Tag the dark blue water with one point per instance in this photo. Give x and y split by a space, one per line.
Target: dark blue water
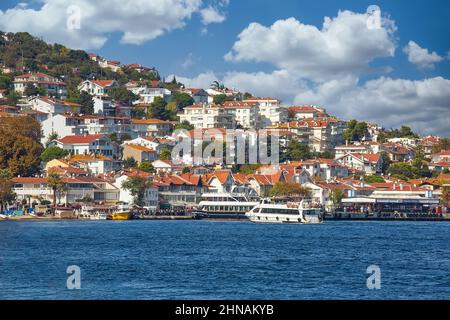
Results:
224 260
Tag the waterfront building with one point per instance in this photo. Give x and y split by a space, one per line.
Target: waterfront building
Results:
35 189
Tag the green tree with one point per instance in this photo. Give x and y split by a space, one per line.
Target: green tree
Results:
247 95
7 194
147 166
356 131
12 98
297 151
157 109
123 95
184 125
136 185
86 102
221 98
51 153
249 168
373 178
55 183
129 162
336 196
31 90
186 170
289 189
386 161
403 170
182 100
165 154
52 136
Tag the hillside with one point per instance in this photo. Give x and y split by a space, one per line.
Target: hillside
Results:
24 53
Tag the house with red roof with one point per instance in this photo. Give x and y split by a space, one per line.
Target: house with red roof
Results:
98 87
221 181
52 85
180 190
441 156
53 106
370 163
88 144
303 112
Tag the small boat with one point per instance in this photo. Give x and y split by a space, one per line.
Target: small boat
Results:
289 212
122 212
98 216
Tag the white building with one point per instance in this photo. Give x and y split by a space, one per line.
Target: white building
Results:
270 110
207 116
52 85
370 163
151 194
245 114
53 106
77 188
88 144
98 87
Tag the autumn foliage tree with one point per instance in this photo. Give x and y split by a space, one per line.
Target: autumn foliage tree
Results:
20 146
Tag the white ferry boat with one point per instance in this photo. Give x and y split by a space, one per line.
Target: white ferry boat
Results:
231 205
269 211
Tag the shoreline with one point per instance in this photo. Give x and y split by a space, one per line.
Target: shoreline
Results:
191 218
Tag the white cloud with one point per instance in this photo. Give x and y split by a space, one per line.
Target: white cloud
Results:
344 45
422 104
203 80
211 15
421 57
138 20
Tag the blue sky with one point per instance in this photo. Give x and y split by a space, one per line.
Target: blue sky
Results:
194 50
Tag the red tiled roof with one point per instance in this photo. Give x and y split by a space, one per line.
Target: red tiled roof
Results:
103 83
80 139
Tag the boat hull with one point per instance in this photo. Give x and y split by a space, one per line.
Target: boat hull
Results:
282 218
121 216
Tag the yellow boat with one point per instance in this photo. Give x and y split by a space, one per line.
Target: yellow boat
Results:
121 216
122 212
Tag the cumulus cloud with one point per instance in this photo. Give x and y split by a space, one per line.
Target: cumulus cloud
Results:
138 21
422 104
421 57
211 15
203 80
343 45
